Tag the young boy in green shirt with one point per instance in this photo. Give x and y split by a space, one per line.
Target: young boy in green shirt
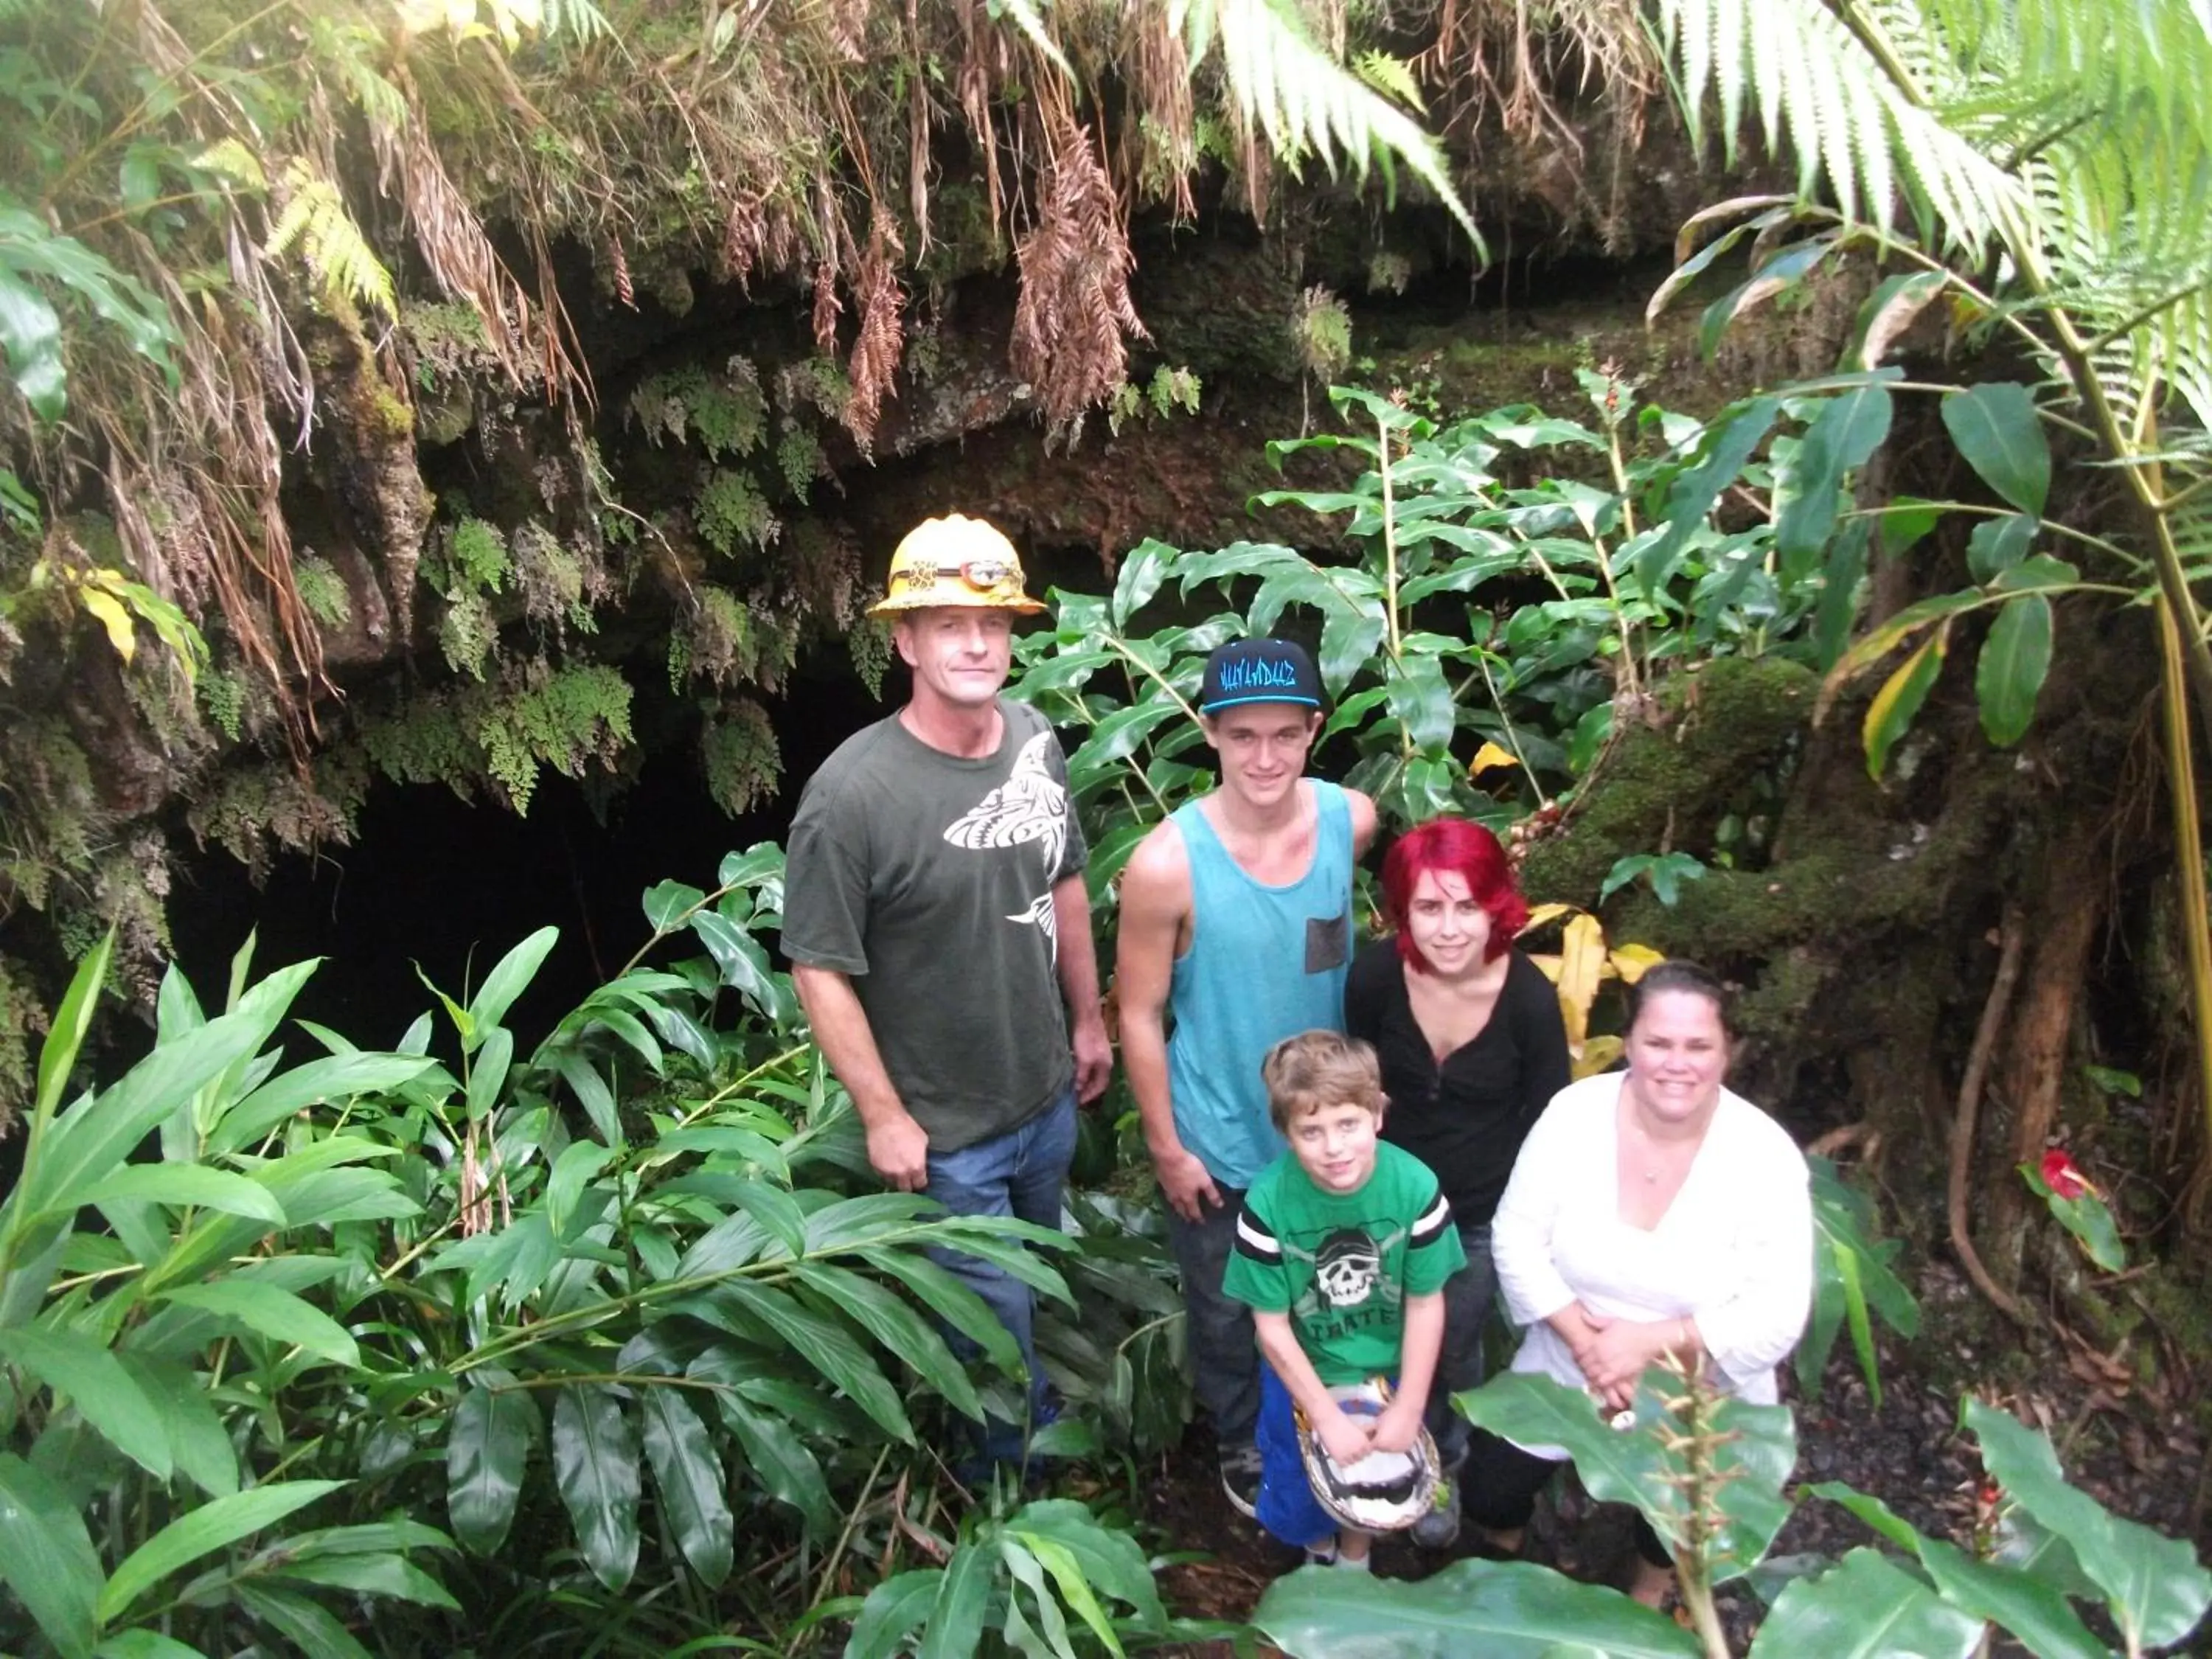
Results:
1343 1246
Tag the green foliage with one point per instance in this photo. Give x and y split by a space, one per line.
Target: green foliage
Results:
1852 1280
223 697
1707 1473
478 558
869 646
315 217
725 414
1322 330
468 633
731 509
563 719
737 751
32 254
799 457
323 592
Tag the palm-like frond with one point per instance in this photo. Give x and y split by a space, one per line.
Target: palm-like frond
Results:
1839 99
1304 100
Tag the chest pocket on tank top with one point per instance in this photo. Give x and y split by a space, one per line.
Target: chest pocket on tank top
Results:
1328 942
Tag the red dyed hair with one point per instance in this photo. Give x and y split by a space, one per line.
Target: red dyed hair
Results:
1455 846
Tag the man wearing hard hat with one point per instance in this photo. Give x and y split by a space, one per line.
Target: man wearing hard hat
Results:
938 924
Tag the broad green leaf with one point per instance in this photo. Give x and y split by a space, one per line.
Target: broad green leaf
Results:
494 1054
1995 427
31 336
188 1186
511 977
1998 545
1890 715
579 1162
894 1609
948 1296
669 903
744 965
368 1572
1499 1610
333 1076
1905 522
199 1448
829 1347
273 1313
2023 1603
487 1450
98 1133
1421 702
1723 450
1144 568
1807 492
778 1456
688 1477
2010 670
592 1093
71 1021
964 1596
144 1645
1109 1559
46 1556
1635 1467
2037 573
302 1621
896 1326
104 1392
1048 1637
1348 642
2155 1587
1864 1609
212 1526
595 1468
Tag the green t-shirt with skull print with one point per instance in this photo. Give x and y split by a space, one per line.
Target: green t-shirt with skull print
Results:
1342 1264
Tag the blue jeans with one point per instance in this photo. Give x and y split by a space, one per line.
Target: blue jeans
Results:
1022 1174
1218 1335
1468 1296
1287 1506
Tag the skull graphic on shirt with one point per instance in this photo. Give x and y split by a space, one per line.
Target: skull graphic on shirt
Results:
1347 1268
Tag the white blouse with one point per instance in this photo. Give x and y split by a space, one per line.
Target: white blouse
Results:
1734 1250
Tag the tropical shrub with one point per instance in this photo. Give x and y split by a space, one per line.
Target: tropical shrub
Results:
1708 1472
634 1349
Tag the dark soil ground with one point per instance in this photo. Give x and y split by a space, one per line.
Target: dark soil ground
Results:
2136 1446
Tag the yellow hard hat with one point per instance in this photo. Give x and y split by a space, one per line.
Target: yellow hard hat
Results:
955 561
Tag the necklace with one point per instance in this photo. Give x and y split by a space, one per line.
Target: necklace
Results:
1651 1175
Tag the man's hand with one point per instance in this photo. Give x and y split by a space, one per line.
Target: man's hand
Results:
1185 1184
1094 1058
1346 1438
898 1147
1399 1426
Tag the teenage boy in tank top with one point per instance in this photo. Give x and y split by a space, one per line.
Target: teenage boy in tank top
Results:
1236 918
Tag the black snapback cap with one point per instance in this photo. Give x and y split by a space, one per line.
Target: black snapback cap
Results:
1259 671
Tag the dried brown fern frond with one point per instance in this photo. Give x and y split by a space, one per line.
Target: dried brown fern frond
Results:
1163 158
874 365
1074 311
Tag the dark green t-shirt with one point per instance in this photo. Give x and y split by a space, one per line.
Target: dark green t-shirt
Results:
928 880
1342 1264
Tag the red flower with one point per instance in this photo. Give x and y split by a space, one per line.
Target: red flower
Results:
2064 1177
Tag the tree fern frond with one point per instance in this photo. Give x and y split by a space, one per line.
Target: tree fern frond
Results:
1304 100
314 216
1843 106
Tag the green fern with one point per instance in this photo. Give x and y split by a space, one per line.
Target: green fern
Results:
1305 101
315 217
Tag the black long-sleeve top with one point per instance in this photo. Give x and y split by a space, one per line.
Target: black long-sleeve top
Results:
1465 1119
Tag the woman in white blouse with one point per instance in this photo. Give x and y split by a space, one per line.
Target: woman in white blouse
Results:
1650 1211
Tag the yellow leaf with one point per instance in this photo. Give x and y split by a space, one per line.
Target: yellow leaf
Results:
1548 966
1581 961
1488 755
113 617
1543 913
1631 960
1597 1055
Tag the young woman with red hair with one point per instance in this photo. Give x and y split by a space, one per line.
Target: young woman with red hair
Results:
1473 1049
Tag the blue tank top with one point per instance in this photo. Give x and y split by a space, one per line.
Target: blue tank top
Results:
1265 963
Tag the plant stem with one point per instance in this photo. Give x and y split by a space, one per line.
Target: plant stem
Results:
2189 859
1391 636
